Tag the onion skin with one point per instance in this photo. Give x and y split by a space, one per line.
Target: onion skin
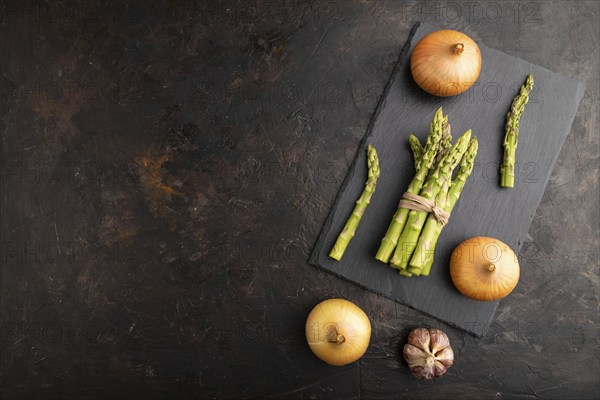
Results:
338 331
484 269
445 63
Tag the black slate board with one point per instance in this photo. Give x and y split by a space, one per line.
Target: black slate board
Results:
484 209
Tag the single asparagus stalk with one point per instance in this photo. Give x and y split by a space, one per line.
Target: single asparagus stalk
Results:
422 260
507 170
417 149
445 141
361 205
388 243
416 219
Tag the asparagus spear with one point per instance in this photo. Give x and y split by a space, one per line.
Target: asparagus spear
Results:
416 219
388 243
445 141
361 205
507 170
417 149
422 259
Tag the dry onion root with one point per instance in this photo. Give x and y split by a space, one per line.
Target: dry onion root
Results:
445 63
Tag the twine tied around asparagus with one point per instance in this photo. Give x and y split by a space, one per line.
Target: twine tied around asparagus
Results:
415 202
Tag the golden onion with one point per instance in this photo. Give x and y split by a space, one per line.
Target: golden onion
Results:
445 63
338 331
484 268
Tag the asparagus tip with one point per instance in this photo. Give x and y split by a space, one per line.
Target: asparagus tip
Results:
530 80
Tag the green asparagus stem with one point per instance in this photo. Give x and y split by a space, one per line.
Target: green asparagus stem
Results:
417 149
361 205
422 259
388 243
507 170
416 219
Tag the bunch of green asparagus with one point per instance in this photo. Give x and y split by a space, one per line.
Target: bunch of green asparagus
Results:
409 243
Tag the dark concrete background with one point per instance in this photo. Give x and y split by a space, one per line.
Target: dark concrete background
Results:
166 168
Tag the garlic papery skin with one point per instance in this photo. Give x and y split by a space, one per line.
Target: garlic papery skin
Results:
428 353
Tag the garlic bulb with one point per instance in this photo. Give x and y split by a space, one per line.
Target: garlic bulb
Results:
428 353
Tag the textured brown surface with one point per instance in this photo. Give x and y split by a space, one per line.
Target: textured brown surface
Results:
166 169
